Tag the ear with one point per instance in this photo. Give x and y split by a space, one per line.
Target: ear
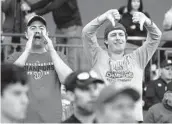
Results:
26 35
106 42
160 71
70 95
47 33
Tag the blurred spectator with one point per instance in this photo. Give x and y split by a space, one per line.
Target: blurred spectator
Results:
155 89
116 106
15 11
68 21
166 36
46 69
132 28
161 112
167 23
122 10
14 88
83 89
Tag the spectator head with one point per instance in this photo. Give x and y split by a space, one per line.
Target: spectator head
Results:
135 5
36 25
14 89
168 95
115 37
166 69
116 105
83 89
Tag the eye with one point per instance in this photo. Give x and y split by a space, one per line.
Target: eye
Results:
121 34
32 28
17 93
42 28
113 35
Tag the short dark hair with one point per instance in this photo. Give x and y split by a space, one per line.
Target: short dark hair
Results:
129 7
109 28
12 74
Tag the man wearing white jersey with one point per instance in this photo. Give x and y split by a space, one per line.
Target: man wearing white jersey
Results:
114 66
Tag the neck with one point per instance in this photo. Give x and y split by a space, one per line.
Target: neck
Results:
82 117
132 11
40 50
116 56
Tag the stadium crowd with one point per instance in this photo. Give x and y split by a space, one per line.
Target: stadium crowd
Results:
42 83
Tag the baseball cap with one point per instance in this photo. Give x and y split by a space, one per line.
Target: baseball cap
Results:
166 63
81 79
169 86
109 93
110 27
36 18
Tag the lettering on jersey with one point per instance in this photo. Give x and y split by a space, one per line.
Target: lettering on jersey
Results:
38 70
119 71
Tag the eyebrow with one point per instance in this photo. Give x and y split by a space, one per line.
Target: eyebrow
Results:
38 26
117 33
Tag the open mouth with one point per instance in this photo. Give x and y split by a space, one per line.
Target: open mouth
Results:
37 37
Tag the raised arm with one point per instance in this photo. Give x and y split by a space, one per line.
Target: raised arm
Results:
91 46
49 5
144 53
62 69
23 58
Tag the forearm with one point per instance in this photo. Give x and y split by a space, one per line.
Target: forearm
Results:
22 59
62 69
145 52
92 27
5 5
39 5
153 31
89 38
55 4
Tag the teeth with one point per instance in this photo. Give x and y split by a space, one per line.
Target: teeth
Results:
37 37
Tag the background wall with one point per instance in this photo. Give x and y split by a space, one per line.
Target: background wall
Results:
91 8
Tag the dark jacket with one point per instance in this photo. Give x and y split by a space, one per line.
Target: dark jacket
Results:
14 17
133 29
155 91
65 12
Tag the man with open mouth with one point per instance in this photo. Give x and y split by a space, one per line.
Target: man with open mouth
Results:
46 69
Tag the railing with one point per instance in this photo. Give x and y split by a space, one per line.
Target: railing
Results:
53 37
67 108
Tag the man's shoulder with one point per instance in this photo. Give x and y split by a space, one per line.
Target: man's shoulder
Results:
13 57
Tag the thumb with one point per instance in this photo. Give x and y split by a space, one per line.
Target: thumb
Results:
141 24
111 19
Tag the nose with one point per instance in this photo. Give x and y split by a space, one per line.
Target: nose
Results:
25 99
37 30
95 93
117 37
